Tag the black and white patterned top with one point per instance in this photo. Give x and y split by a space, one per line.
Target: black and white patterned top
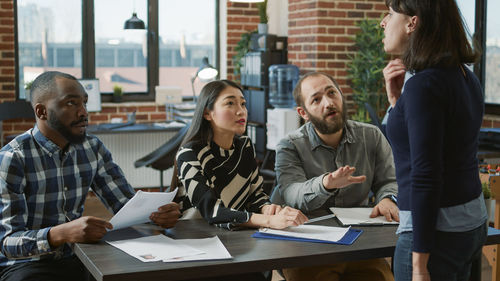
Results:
224 185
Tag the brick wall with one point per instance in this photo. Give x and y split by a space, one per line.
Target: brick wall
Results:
145 112
7 66
7 62
320 33
241 18
491 121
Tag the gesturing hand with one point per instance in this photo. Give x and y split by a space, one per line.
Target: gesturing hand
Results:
394 75
342 177
82 230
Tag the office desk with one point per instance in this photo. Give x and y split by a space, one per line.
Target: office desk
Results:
249 254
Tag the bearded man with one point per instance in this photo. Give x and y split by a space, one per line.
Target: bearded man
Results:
45 175
334 162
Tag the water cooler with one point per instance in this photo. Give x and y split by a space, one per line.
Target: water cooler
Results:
283 118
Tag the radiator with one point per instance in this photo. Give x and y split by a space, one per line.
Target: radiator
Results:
127 147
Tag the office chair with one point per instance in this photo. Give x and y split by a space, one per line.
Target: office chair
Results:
164 156
14 110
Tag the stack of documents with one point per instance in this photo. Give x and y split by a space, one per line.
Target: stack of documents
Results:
163 248
312 233
358 216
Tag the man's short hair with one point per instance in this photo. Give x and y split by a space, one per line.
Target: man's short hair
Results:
297 92
45 85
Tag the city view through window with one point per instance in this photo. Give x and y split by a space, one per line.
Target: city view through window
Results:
50 38
492 83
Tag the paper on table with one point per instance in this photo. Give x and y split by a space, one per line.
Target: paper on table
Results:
155 248
139 208
318 232
213 248
358 216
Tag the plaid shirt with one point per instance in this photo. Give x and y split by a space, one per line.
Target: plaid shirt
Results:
42 186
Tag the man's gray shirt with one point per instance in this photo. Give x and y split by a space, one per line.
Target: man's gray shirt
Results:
302 160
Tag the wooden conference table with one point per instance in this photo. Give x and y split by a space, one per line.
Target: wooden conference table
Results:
106 262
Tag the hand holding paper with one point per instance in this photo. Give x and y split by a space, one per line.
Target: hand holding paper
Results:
143 207
358 216
167 215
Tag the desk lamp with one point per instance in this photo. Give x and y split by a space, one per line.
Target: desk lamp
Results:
206 73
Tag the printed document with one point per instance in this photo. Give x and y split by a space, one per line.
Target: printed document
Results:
166 249
212 247
155 248
318 232
358 216
138 209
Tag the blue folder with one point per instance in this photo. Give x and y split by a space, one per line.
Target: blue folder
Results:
348 238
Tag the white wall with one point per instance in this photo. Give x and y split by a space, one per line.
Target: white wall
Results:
277 11
223 38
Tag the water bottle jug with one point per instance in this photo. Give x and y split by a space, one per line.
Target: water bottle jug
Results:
282 80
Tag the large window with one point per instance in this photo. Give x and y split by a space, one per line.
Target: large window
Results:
48 38
184 44
479 14
121 55
178 35
492 71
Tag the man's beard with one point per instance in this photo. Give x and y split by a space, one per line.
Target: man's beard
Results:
330 126
65 131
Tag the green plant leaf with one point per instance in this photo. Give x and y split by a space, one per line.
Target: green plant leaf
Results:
365 68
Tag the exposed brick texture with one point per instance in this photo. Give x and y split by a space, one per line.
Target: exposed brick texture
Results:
319 39
241 18
320 34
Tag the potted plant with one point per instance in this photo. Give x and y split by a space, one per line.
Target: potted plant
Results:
27 90
262 27
242 48
117 93
365 69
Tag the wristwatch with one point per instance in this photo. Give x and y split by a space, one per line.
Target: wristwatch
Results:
392 198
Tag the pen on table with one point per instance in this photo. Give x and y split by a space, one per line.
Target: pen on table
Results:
320 218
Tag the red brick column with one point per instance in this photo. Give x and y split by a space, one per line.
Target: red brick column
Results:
320 34
241 18
7 61
7 67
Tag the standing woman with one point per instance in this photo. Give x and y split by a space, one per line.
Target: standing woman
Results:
433 128
216 165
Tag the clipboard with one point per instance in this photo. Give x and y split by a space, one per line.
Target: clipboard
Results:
348 238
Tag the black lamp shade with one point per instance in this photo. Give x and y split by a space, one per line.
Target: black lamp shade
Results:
134 23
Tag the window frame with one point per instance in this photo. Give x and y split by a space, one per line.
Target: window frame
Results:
480 67
88 49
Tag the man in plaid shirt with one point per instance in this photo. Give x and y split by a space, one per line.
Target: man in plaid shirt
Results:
45 175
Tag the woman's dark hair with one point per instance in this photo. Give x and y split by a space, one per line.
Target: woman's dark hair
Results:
200 131
440 37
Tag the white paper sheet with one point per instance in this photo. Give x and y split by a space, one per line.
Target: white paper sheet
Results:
155 248
213 248
139 208
358 216
318 232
